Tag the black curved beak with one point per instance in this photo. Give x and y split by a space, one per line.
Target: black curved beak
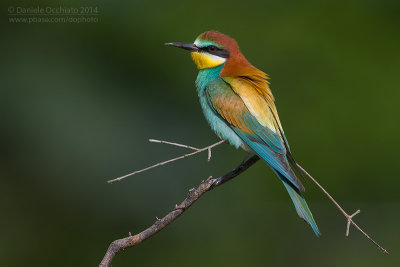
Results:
187 46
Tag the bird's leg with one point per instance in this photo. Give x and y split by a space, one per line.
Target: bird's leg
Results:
247 157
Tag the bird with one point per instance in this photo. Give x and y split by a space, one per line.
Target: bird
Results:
239 106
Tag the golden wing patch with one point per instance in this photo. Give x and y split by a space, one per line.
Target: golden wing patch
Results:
231 109
257 104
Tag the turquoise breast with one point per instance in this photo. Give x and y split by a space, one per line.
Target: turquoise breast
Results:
208 79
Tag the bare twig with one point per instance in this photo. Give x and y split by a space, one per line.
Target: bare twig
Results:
348 217
173 144
350 220
185 146
193 196
197 151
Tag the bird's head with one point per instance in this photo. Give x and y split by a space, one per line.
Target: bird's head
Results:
210 49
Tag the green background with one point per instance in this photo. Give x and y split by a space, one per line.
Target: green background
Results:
78 103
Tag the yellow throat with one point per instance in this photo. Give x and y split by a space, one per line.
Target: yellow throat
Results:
206 61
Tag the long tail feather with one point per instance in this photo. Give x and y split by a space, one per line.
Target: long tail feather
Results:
301 206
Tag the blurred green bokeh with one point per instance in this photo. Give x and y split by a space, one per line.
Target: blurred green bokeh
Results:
78 103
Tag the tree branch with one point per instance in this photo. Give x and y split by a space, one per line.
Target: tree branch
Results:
193 196
348 217
196 151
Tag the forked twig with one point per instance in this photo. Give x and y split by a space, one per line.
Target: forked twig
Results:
196 151
348 217
173 144
195 194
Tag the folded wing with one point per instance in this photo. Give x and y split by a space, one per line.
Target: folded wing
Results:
251 115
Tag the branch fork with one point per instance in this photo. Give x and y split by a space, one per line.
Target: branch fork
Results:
350 220
196 151
195 193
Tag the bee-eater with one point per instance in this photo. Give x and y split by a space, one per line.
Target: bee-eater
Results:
239 106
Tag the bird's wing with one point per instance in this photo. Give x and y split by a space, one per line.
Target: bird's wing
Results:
251 115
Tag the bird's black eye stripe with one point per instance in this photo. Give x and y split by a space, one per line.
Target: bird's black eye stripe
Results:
214 50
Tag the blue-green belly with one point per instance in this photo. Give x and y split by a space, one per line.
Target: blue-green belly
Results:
208 79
